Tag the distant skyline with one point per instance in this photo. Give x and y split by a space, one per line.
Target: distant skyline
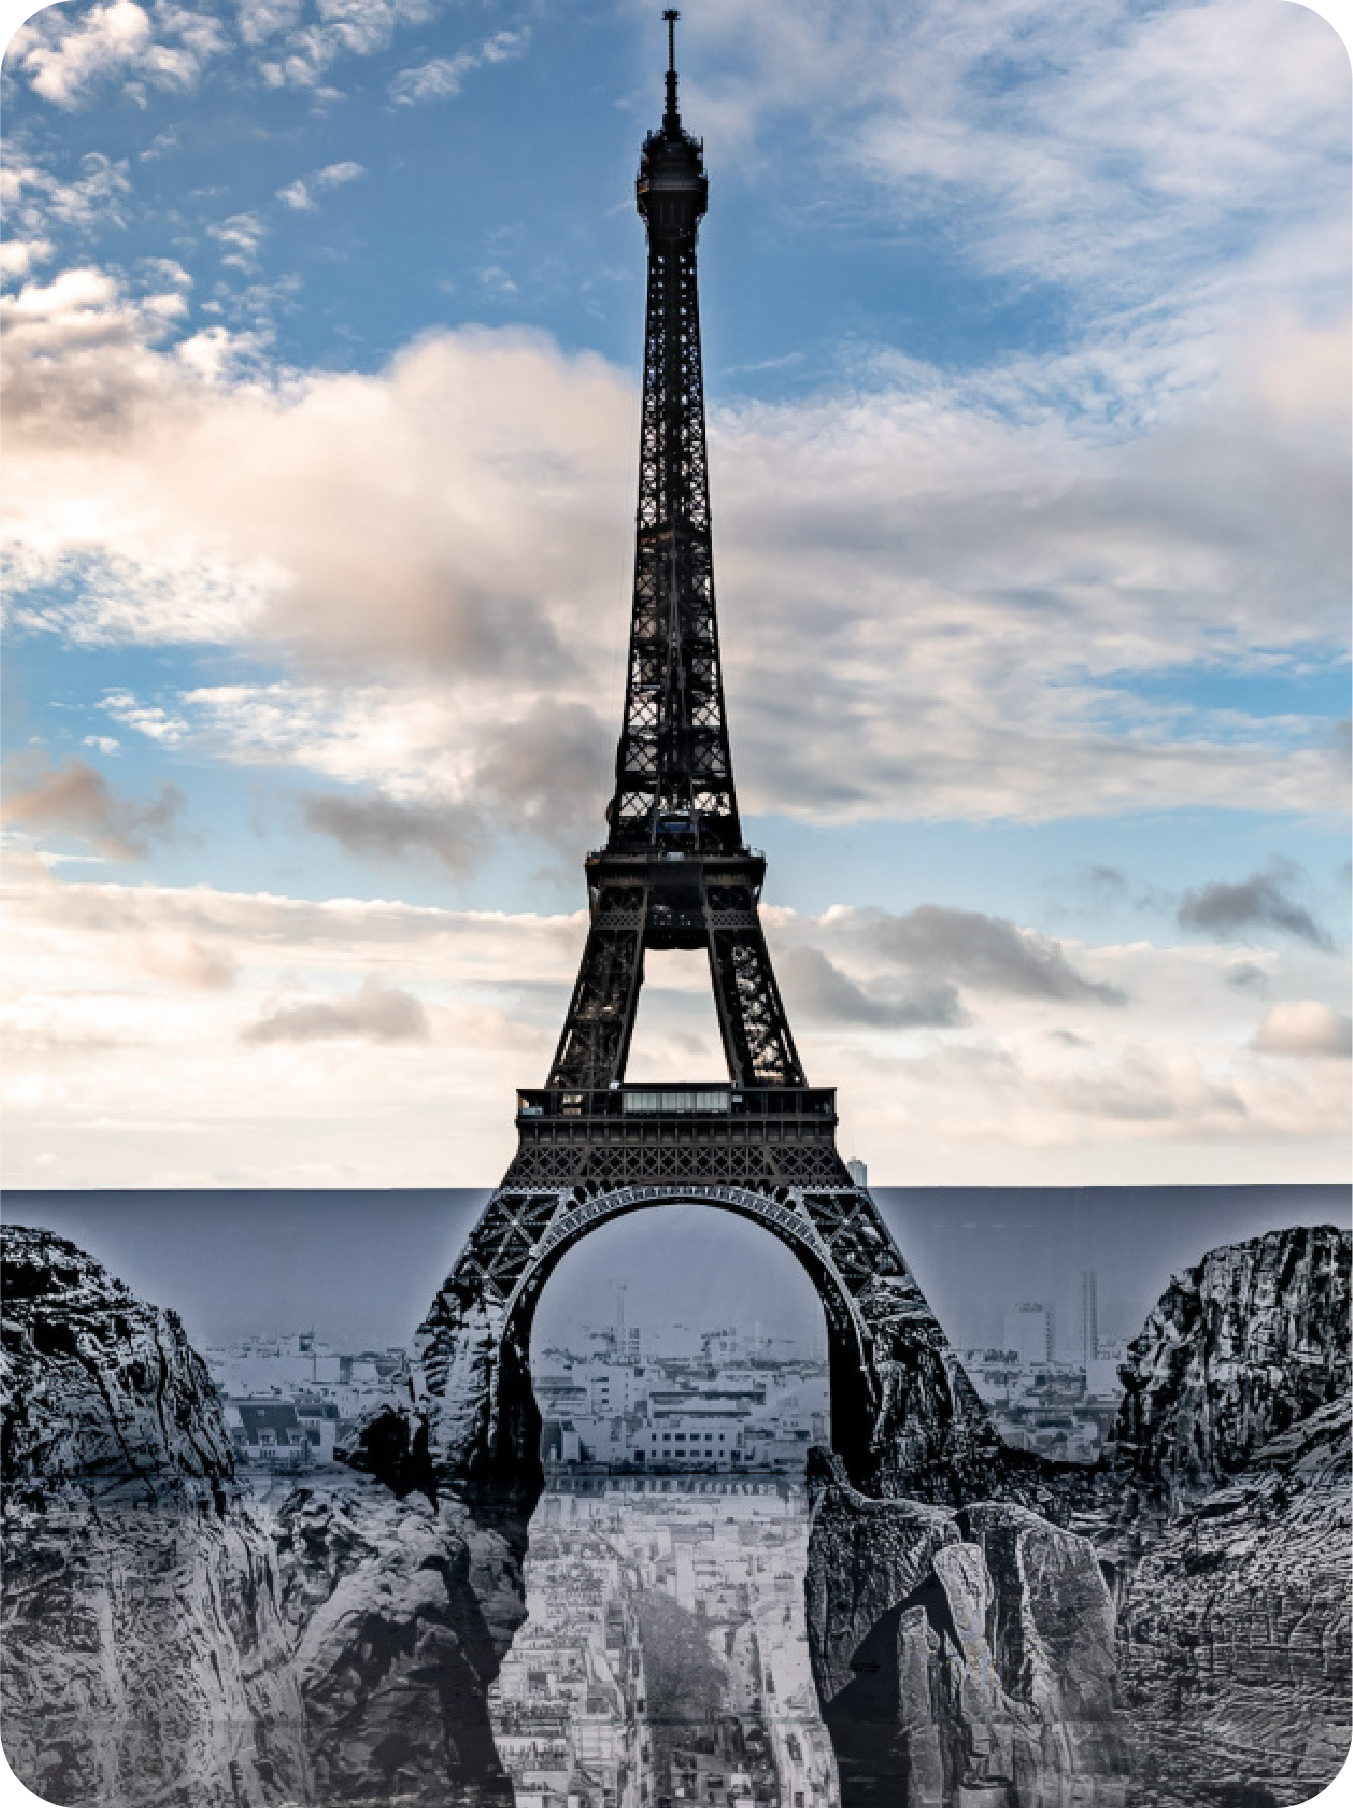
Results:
361 1268
1026 344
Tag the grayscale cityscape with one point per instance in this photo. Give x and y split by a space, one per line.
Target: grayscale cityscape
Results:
664 1657
672 1399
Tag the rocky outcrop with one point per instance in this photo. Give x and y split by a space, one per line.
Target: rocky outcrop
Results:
1236 1350
962 1656
99 1388
472 1424
1234 1599
167 1640
401 1613
145 1661
966 1645
930 1436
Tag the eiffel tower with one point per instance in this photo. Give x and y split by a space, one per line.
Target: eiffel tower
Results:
676 873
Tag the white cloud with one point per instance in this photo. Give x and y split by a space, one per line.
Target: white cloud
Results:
300 194
375 1013
972 580
241 235
1114 149
441 77
382 1013
1304 1028
300 55
65 56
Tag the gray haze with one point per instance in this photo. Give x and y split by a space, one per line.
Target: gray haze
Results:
361 1266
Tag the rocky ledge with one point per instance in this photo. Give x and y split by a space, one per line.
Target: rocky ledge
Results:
169 1640
962 1656
97 1388
1236 1350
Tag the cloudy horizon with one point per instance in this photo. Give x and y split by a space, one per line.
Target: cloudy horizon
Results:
1027 361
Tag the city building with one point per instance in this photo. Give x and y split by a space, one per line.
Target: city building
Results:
1028 1332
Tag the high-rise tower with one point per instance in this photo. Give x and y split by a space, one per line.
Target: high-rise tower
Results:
675 872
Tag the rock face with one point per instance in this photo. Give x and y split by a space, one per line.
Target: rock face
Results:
1234 1631
969 1650
1235 1351
168 1641
98 1387
400 1614
1234 1599
962 1657
145 1659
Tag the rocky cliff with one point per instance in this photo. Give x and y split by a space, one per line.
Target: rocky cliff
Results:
400 1614
1234 1630
1172 1630
962 1656
99 1388
1234 1634
145 1658
1236 1350
168 1640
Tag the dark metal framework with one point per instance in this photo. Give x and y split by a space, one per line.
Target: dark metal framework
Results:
676 873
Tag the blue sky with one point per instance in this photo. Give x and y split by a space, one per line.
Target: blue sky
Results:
1026 346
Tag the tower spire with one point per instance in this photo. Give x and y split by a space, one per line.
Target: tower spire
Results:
675 871
671 119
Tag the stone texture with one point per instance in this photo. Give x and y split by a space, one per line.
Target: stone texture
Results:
1236 1350
166 1640
401 1613
472 1401
961 1657
98 1387
931 1436
145 1660
1234 1630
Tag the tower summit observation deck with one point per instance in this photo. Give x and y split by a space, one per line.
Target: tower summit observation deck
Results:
674 873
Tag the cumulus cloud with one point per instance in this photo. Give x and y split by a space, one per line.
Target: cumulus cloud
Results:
76 799
65 55
1304 1028
375 1013
1264 901
187 961
989 953
815 988
199 502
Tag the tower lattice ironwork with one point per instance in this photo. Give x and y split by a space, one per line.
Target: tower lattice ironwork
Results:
676 873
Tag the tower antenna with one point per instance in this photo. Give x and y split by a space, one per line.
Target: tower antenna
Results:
672 117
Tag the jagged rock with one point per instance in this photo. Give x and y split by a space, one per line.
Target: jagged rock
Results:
392 1445
930 1437
145 1661
1235 1635
961 1656
98 1387
1236 1350
167 1641
473 1400
401 1613
865 1557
